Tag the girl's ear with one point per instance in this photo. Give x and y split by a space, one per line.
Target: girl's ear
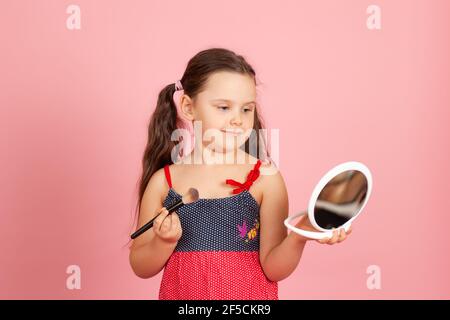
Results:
187 108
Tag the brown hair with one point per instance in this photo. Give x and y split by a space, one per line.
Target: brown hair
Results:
165 118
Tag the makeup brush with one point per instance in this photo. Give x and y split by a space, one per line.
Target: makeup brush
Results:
189 197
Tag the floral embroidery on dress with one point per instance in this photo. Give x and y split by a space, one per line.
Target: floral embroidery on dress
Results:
250 234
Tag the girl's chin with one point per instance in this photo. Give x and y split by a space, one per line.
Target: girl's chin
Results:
224 148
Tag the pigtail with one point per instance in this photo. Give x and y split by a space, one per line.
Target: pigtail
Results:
159 144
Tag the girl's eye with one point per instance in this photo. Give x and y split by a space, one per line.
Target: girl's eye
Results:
227 107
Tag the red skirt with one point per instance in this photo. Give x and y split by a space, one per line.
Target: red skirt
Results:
216 275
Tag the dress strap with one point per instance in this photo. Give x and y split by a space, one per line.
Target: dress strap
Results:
252 176
167 173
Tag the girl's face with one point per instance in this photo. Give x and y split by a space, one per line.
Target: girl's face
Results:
226 109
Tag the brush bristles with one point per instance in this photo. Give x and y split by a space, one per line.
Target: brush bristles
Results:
190 196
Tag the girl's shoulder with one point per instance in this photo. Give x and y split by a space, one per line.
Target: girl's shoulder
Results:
268 169
156 189
270 178
175 169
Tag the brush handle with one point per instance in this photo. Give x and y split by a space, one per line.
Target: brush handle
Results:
178 204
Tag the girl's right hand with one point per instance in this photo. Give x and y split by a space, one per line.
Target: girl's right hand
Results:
167 227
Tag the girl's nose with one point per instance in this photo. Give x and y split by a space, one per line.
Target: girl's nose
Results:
236 120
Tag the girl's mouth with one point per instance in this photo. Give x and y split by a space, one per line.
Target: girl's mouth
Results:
235 132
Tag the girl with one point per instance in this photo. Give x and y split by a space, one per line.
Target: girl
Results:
231 243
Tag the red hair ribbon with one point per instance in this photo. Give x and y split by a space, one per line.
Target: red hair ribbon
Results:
252 176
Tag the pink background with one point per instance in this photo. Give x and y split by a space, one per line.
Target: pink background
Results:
75 104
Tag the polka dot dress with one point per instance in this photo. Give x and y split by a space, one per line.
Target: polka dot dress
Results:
217 256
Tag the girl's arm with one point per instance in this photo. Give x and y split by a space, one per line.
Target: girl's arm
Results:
149 252
279 253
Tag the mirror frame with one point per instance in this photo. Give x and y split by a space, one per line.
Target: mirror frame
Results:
325 233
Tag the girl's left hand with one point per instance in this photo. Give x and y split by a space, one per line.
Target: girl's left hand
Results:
339 235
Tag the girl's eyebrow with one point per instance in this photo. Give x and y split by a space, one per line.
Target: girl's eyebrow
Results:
226 100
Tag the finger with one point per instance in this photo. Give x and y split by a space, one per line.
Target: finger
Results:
349 230
324 240
163 221
175 216
167 223
174 229
342 235
175 220
334 238
157 220
160 217
170 218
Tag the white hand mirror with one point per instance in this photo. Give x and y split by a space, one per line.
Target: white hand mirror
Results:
338 198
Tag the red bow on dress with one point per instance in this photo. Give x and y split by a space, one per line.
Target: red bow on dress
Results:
252 176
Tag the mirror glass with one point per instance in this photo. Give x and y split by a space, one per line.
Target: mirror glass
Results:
340 199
